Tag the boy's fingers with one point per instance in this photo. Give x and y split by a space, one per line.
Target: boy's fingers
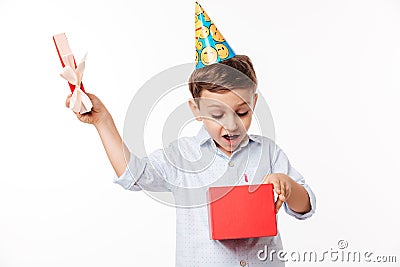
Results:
68 100
283 188
277 187
278 205
267 180
91 96
81 117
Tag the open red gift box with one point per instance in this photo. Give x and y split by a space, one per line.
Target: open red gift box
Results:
244 211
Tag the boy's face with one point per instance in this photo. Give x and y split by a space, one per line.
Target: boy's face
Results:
226 116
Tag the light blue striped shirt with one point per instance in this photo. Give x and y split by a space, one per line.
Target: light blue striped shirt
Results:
185 169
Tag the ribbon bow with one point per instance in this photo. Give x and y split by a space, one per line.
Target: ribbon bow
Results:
79 102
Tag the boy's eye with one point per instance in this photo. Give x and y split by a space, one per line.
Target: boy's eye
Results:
242 114
216 116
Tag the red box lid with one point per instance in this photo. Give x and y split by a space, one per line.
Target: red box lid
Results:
241 211
62 46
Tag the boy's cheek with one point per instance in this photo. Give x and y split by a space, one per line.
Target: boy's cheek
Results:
212 124
246 123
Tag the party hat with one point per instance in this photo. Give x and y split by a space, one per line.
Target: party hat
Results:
211 46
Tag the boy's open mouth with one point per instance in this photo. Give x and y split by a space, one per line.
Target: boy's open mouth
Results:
230 137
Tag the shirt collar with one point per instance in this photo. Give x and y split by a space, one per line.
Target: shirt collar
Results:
203 137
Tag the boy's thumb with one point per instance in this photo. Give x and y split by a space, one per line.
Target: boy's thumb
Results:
91 96
68 100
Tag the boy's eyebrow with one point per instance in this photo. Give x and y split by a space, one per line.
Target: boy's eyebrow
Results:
244 103
214 105
219 106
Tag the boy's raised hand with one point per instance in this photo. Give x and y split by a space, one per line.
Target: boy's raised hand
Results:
97 115
282 187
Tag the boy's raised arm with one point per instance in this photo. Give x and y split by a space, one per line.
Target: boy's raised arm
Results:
116 150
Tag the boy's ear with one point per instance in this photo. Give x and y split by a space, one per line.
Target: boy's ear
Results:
195 109
255 100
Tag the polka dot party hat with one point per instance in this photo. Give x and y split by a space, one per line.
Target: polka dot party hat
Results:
211 46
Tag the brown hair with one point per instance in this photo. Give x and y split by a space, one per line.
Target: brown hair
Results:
218 77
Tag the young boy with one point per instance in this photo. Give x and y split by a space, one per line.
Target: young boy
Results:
224 97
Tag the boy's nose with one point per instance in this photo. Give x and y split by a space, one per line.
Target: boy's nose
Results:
231 124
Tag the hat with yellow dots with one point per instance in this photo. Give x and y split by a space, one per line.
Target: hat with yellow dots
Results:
211 46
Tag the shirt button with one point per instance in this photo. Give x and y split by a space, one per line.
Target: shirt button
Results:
231 164
243 263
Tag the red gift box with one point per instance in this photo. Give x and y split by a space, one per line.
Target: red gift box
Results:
241 211
63 49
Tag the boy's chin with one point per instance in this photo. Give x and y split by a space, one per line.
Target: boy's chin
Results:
229 148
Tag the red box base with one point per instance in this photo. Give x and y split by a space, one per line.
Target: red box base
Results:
246 211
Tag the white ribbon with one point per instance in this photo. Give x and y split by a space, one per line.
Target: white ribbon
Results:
79 102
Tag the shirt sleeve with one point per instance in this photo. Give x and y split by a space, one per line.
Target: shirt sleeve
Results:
281 164
145 173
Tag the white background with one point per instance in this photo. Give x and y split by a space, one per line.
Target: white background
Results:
328 69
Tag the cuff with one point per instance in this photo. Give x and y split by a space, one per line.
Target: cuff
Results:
127 180
303 216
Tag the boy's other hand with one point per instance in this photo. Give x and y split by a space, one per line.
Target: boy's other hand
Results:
98 115
282 187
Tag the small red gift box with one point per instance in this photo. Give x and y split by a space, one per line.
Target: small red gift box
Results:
63 49
241 211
